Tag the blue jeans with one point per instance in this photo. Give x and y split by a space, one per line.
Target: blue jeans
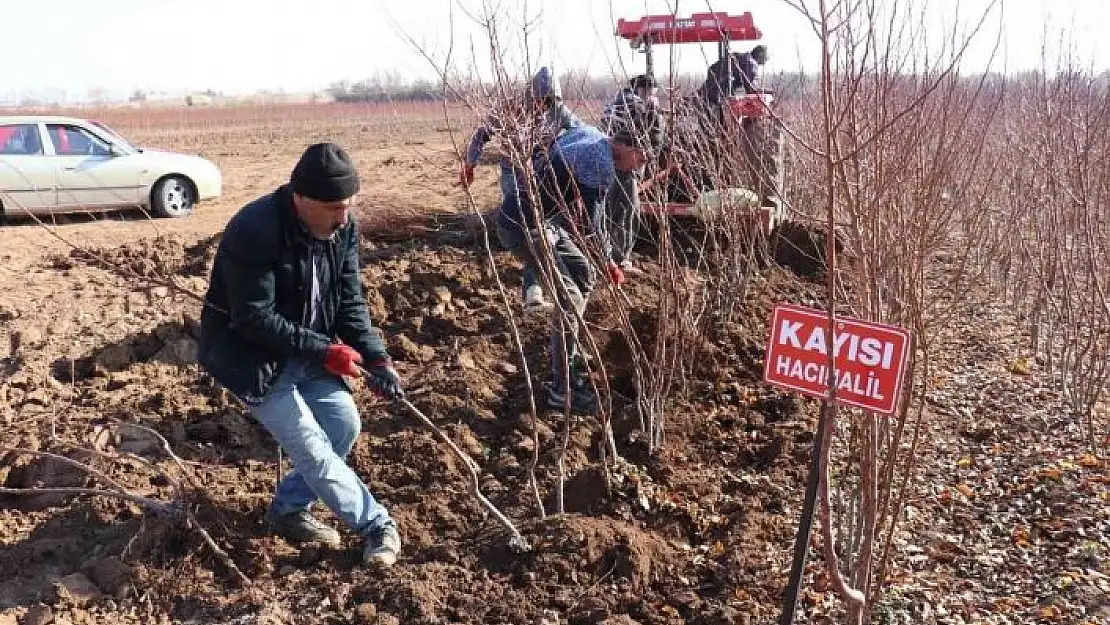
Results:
313 417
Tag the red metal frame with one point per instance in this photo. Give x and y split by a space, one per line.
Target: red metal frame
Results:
698 28
749 105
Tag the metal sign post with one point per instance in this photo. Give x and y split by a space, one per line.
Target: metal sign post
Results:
805 528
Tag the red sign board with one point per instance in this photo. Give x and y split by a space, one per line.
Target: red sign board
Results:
869 357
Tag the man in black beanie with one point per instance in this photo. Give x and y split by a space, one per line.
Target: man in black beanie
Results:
284 322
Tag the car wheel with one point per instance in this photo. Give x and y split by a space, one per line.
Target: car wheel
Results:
173 196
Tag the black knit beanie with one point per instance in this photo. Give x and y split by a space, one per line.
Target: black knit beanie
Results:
325 173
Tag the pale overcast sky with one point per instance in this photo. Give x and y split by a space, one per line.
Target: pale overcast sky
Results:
53 48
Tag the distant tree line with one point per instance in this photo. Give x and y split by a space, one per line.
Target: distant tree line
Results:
577 86
386 87
394 86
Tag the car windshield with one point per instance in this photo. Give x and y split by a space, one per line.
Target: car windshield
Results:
115 135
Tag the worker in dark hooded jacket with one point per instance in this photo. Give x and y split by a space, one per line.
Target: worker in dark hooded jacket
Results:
736 73
284 321
524 127
566 210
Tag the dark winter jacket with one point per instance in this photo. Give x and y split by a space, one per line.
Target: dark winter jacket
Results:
258 304
571 182
521 131
739 70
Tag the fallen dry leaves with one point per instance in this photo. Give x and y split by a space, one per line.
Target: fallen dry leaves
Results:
1011 514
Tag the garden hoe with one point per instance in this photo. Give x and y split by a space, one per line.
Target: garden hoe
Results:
517 542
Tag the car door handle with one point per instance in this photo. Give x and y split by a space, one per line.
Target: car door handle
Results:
70 168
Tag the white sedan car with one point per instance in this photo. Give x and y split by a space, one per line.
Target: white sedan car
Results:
63 164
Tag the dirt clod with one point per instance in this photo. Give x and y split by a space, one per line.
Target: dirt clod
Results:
36 615
111 575
76 589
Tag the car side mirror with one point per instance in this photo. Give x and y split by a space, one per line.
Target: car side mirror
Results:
115 150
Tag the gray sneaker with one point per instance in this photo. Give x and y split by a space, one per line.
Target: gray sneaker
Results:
382 546
534 301
301 527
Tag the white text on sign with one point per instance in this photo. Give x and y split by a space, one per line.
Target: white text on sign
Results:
869 357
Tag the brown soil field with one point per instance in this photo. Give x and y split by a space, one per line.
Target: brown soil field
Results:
1008 522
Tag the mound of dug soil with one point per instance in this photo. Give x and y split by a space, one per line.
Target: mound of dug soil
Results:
158 257
697 533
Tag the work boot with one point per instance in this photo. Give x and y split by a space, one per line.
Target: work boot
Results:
382 546
583 399
534 301
301 527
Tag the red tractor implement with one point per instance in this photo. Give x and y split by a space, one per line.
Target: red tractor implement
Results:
731 147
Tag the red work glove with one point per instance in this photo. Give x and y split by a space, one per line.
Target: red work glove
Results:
342 360
466 174
616 275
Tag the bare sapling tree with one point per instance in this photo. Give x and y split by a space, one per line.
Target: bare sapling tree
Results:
501 108
705 263
700 274
508 117
1055 269
897 138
